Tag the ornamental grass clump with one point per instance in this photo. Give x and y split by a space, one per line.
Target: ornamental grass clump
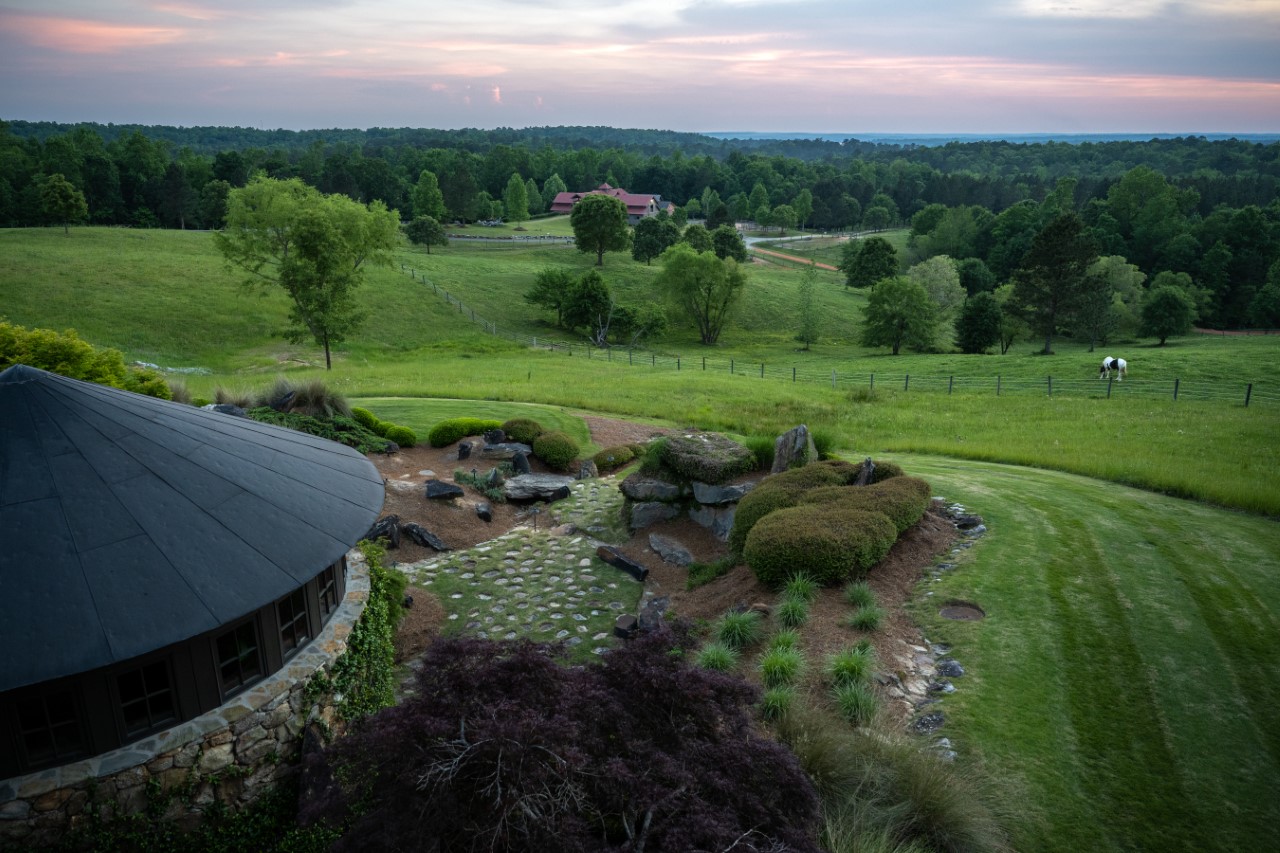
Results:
718 656
859 594
853 665
777 701
781 667
856 702
801 586
784 640
867 618
738 630
792 612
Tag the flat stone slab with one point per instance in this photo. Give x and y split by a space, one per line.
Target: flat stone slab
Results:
532 487
670 550
438 490
504 450
640 488
710 495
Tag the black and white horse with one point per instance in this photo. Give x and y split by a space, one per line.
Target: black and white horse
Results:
1119 365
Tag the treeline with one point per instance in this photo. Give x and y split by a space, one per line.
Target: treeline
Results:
1209 209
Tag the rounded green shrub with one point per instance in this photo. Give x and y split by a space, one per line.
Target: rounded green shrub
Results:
556 448
364 417
523 430
885 471
381 427
830 542
755 505
903 499
402 436
454 429
613 457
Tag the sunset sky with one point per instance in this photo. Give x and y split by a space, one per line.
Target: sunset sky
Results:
918 66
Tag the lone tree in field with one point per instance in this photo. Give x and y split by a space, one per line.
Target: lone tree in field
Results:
1167 311
313 246
62 203
600 225
704 287
426 231
899 311
1049 284
865 262
654 235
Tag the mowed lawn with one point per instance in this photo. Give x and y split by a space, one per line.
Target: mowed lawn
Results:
1122 692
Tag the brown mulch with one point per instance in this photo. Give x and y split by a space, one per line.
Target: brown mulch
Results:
456 522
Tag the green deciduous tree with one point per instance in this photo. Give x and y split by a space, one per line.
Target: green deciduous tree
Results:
550 290
1167 311
589 305
600 225
698 237
808 320
632 325
866 262
653 236
1012 326
899 311
551 188
1048 284
515 199
802 204
426 231
978 327
535 197
726 242
703 287
427 198
286 234
62 203
941 280
784 217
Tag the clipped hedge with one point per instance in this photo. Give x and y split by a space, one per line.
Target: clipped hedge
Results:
784 490
364 417
455 429
401 435
523 430
903 499
556 448
613 457
831 543
707 457
885 471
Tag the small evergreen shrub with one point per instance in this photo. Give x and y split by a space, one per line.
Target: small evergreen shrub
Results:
381 427
793 612
455 429
867 618
762 447
402 436
651 459
853 665
738 630
830 542
856 702
364 417
340 429
780 667
859 594
706 457
801 586
718 656
777 701
66 354
556 448
903 499
523 430
755 505
613 457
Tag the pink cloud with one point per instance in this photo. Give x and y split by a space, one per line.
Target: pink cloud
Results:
81 36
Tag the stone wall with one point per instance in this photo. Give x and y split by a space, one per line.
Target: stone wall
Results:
231 755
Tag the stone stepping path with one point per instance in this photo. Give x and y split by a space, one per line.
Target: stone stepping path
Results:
539 584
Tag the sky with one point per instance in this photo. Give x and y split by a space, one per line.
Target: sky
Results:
913 66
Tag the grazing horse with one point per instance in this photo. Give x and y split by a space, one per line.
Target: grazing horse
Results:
1119 365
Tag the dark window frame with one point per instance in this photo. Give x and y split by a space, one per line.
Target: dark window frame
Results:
245 678
154 721
294 625
77 720
327 590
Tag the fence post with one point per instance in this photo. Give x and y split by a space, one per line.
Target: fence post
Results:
653 359
704 362
588 352
762 370
873 382
833 380
793 374
1247 394
535 341
950 384
629 361
1108 387
1175 389
730 367
906 381
677 362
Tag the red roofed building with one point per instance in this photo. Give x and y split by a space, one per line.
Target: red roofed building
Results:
639 205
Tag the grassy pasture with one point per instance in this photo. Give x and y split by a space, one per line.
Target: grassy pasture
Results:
1123 686
548 226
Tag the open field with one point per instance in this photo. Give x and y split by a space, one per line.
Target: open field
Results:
1120 691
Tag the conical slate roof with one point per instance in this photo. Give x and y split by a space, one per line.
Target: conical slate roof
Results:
129 523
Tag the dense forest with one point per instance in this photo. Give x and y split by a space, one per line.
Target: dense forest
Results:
1208 209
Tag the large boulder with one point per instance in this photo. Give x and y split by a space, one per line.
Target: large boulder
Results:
648 513
504 450
705 493
419 534
670 550
537 487
706 456
793 449
638 487
719 520
439 490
